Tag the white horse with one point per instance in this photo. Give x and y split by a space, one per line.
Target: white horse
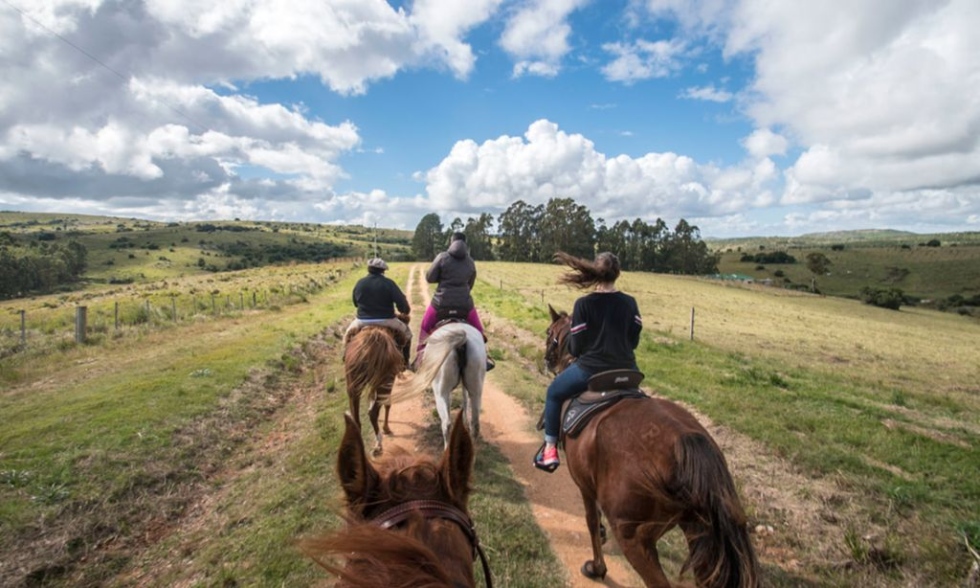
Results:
455 354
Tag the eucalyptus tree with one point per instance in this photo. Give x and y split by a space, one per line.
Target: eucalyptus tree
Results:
428 239
567 226
477 231
518 235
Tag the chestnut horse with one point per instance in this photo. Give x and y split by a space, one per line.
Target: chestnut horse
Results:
648 465
372 360
407 520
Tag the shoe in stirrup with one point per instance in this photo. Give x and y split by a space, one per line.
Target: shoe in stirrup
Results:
490 363
547 458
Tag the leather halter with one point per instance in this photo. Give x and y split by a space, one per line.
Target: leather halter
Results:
557 347
434 509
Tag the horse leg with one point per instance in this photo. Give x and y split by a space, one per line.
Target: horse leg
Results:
442 407
386 428
373 413
640 549
384 397
594 568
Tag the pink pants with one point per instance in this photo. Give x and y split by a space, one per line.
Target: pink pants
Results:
429 322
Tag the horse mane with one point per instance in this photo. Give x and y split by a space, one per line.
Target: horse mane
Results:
365 555
374 557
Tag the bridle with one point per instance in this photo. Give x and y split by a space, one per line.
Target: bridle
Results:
434 509
557 346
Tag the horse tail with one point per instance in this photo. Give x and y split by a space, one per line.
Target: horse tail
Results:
721 552
437 350
372 360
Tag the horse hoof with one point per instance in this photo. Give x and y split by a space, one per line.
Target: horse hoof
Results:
589 571
387 431
376 451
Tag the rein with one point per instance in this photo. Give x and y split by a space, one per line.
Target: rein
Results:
558 346
434 509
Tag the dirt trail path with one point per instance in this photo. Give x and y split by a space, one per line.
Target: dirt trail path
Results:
555 500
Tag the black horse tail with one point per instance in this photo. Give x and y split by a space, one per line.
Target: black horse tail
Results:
721 552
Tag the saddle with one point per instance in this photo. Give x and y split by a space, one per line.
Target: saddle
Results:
605 389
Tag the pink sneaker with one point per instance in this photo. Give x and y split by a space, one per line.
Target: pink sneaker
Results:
547 459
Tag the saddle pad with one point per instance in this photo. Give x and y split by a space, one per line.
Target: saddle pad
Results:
577 413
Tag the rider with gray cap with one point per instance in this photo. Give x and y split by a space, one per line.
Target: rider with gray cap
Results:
376 297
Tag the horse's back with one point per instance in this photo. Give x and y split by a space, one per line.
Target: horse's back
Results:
630 444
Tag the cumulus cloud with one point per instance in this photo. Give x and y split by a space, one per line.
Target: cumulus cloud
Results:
642 60
537 36
549 163
139 102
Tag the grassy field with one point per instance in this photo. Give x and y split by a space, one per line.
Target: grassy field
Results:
927 273
213 436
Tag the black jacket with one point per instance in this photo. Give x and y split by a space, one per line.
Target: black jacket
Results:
455 273
376 296
605 331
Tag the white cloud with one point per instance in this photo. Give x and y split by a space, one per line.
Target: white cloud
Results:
550 163
764 142
707 93
642 60
537 34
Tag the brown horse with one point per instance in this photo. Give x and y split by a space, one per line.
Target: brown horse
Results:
372 360
407 520
648 465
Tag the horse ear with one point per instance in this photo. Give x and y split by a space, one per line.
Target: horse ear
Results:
457 462
357 475
554 314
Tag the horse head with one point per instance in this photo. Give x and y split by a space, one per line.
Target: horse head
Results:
556 354
407 518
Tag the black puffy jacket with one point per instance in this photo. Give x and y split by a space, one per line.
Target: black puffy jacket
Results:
455 273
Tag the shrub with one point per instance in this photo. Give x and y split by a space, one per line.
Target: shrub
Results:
891 298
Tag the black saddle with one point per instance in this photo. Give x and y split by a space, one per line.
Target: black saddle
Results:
605 389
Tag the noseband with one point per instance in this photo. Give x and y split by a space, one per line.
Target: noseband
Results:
434 509
557 347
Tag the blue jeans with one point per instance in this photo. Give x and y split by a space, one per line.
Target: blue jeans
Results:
570 382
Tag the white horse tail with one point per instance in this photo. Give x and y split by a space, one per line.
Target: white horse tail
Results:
439 346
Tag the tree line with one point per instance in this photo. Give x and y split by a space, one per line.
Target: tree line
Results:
527 233
39 265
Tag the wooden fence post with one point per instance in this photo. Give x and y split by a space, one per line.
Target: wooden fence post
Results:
23 328
80 315
173 307
692 323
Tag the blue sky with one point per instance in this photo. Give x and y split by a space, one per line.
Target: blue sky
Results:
744 117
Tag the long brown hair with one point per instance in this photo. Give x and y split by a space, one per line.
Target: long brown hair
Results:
585 274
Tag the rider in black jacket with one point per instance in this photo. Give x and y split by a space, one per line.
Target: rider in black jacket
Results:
376 297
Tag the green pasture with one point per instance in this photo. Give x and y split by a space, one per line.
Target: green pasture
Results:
107 448
926 273
886 403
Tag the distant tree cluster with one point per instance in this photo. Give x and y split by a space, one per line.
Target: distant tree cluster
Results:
527 233
891 298
38 265
768 257
252 255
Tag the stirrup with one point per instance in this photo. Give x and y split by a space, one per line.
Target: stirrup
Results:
539 456
490 363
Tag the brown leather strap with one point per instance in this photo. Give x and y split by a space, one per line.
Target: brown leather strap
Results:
435 509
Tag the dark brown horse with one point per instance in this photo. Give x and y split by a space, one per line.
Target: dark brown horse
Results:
372 360
407 520
648 465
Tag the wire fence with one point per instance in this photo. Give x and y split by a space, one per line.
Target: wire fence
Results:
94 320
